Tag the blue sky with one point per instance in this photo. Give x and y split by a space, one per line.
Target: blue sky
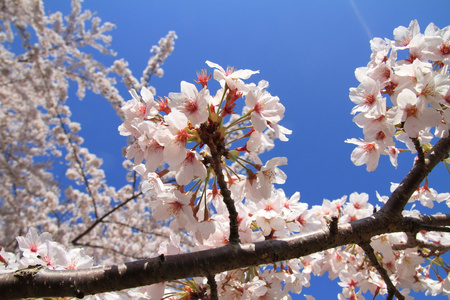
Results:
307 50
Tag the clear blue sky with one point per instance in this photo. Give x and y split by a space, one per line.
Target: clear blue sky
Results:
307 50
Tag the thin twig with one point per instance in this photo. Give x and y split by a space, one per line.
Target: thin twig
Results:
434 228
400 197
216 163
213 287
419 149
99 220
392 290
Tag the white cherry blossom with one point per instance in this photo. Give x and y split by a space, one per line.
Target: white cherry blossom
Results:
192 103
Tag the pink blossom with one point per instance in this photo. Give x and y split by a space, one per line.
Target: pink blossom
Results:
190 168
152 183
140 107
33 244
403 35
265 108
270 174
192 103
174 205
230 76
174 137
432 87
366 153
368 99
414 113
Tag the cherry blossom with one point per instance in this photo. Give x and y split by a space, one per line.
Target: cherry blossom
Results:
33 244
230 76
201 178
414 113
403 35
265 108
176 206
191 168
174 137
270 174
366 153
415 86
368 98
192 103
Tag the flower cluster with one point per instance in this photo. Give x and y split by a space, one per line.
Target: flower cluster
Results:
50 179
193 136
40 249
200 167
412 72
181 136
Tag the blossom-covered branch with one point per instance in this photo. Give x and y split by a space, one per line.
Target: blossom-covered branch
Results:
48 179
197 154
47 283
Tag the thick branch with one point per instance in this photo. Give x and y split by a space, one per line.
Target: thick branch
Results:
48 283
401 196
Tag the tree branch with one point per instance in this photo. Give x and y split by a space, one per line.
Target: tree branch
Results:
99 220
392 290
50 283
419 149
45 283
217 149
397 201
213 287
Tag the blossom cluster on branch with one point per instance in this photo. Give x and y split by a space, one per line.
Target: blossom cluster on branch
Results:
48 178
201 173
412 72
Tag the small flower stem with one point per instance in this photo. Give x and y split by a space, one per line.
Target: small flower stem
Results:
230 170
257 167
219 110
196 185
447 167
392 290
236 129
242 119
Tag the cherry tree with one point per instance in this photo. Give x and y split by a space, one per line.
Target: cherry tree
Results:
201 217
39 139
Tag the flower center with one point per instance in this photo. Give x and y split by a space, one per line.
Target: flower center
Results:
380 136
370 99
142 109
369 147
268 207
445 49
412 111
175 207
191 105
269 174
182 136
